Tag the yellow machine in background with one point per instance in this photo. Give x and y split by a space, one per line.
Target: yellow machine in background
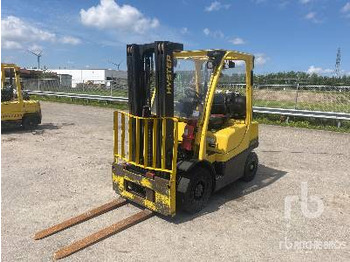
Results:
16 107
189 130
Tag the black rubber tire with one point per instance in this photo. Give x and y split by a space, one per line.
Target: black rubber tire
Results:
29 122
250 167
199 190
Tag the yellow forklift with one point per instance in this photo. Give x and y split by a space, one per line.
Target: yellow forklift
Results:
188 133
189 130
16 106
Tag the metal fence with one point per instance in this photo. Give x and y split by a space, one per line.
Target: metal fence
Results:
285 99
116 87
301 97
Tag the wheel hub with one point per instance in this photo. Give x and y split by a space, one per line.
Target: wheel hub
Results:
252 166
199 191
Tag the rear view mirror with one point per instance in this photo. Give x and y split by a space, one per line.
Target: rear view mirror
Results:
231 64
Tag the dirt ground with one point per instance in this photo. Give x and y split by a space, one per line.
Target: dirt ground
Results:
64 168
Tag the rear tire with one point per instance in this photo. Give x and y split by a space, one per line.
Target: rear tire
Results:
198 191
251 167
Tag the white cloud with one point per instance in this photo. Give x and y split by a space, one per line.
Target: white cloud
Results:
213 34
184 30
312 16
19 34
70 40
283 4
216 6
8 44
16 33
346 9
304 2
237 41
36 48
261 59
319 70
109 15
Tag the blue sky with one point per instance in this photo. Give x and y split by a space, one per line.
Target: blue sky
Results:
299 35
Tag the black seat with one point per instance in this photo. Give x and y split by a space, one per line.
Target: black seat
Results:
236 104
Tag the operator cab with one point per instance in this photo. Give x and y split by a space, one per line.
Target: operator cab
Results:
193 76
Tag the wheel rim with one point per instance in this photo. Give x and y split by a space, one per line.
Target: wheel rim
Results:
252 166
199 191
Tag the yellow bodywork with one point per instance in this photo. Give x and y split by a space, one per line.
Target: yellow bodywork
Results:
17 108
230 140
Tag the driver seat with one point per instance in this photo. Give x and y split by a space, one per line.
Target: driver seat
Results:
219 111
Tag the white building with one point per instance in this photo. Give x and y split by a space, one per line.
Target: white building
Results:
96 76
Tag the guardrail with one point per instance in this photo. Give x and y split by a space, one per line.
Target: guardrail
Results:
302 113
79 96
295 86
256 109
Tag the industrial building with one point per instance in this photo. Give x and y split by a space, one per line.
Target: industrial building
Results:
94 76
34 79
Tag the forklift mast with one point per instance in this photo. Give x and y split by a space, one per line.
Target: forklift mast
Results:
151 66
142 61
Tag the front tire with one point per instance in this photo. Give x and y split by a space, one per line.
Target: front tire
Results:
29 122
199 190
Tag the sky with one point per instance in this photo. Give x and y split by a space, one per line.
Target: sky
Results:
284 35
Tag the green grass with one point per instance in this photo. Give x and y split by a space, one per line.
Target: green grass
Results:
85 102
301 122
307 99
305 106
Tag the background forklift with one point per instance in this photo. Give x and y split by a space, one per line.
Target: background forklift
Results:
188 133
16 106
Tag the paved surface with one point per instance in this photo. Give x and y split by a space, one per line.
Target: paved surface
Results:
64 168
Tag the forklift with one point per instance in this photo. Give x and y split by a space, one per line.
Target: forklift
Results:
16 106
187 134
182 140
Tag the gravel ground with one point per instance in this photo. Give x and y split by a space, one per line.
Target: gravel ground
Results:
64 168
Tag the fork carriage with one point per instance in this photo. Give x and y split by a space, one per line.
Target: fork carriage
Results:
141 171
